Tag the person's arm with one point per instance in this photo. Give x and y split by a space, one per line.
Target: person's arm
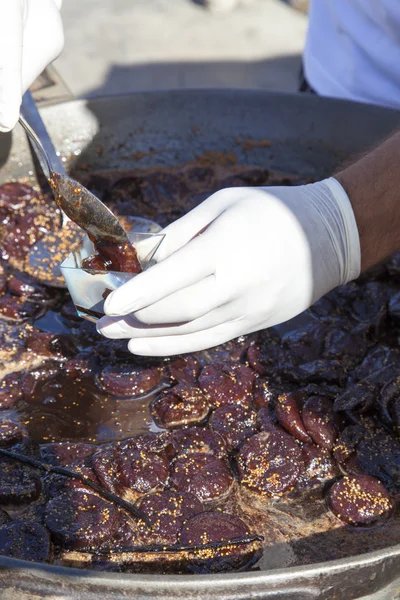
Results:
31 37
373 186
250 258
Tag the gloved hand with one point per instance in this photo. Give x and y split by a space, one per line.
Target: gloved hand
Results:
243 260
31 37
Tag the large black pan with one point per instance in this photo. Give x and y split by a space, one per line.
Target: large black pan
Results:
309 136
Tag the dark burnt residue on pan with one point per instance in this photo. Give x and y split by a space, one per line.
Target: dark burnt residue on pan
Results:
280 444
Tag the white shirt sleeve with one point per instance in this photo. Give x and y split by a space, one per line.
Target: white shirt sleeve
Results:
353 50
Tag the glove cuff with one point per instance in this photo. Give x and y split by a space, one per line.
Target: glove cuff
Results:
349 248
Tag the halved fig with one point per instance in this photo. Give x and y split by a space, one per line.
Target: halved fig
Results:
11 432
65 453
270 462
128 380
180 405
204 475
287 409
320 421
224 383
25 541
185 369
196 440
360 500
18 483
234 423
216 527
10 390
81 520
166 512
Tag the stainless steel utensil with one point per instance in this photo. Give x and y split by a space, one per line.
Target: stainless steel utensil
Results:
78 206
45 256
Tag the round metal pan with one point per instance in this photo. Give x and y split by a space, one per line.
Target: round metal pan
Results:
307 135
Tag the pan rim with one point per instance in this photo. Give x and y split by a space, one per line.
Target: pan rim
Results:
215 582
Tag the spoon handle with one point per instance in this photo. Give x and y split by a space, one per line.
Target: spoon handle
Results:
42 145
37 148
31 121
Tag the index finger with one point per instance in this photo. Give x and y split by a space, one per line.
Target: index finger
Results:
186 266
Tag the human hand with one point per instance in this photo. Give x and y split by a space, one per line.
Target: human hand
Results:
31 37
243 260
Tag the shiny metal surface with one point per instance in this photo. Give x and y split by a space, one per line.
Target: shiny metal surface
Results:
76 202
31 121
86 210
307 135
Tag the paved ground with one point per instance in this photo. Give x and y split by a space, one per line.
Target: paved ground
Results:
115 46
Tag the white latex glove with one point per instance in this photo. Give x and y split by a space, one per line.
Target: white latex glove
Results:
263 257
31 37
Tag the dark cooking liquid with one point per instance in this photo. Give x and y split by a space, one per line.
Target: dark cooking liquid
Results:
70 406
72 385
75 409
112 256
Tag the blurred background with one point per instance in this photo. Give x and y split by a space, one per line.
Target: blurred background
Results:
116 46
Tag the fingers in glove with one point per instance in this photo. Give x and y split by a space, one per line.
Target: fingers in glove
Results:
187 227
43 39
187 304
11 41
129 327
120 328
180 344
190 264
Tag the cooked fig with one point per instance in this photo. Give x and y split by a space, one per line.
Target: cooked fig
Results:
18 484
25 541
223 384
181 405
81 520
360 500
167 511
234 423
195 440
287 409
128 380
204 475
269 463
320 421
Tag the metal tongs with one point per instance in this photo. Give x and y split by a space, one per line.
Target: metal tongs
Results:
80 209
